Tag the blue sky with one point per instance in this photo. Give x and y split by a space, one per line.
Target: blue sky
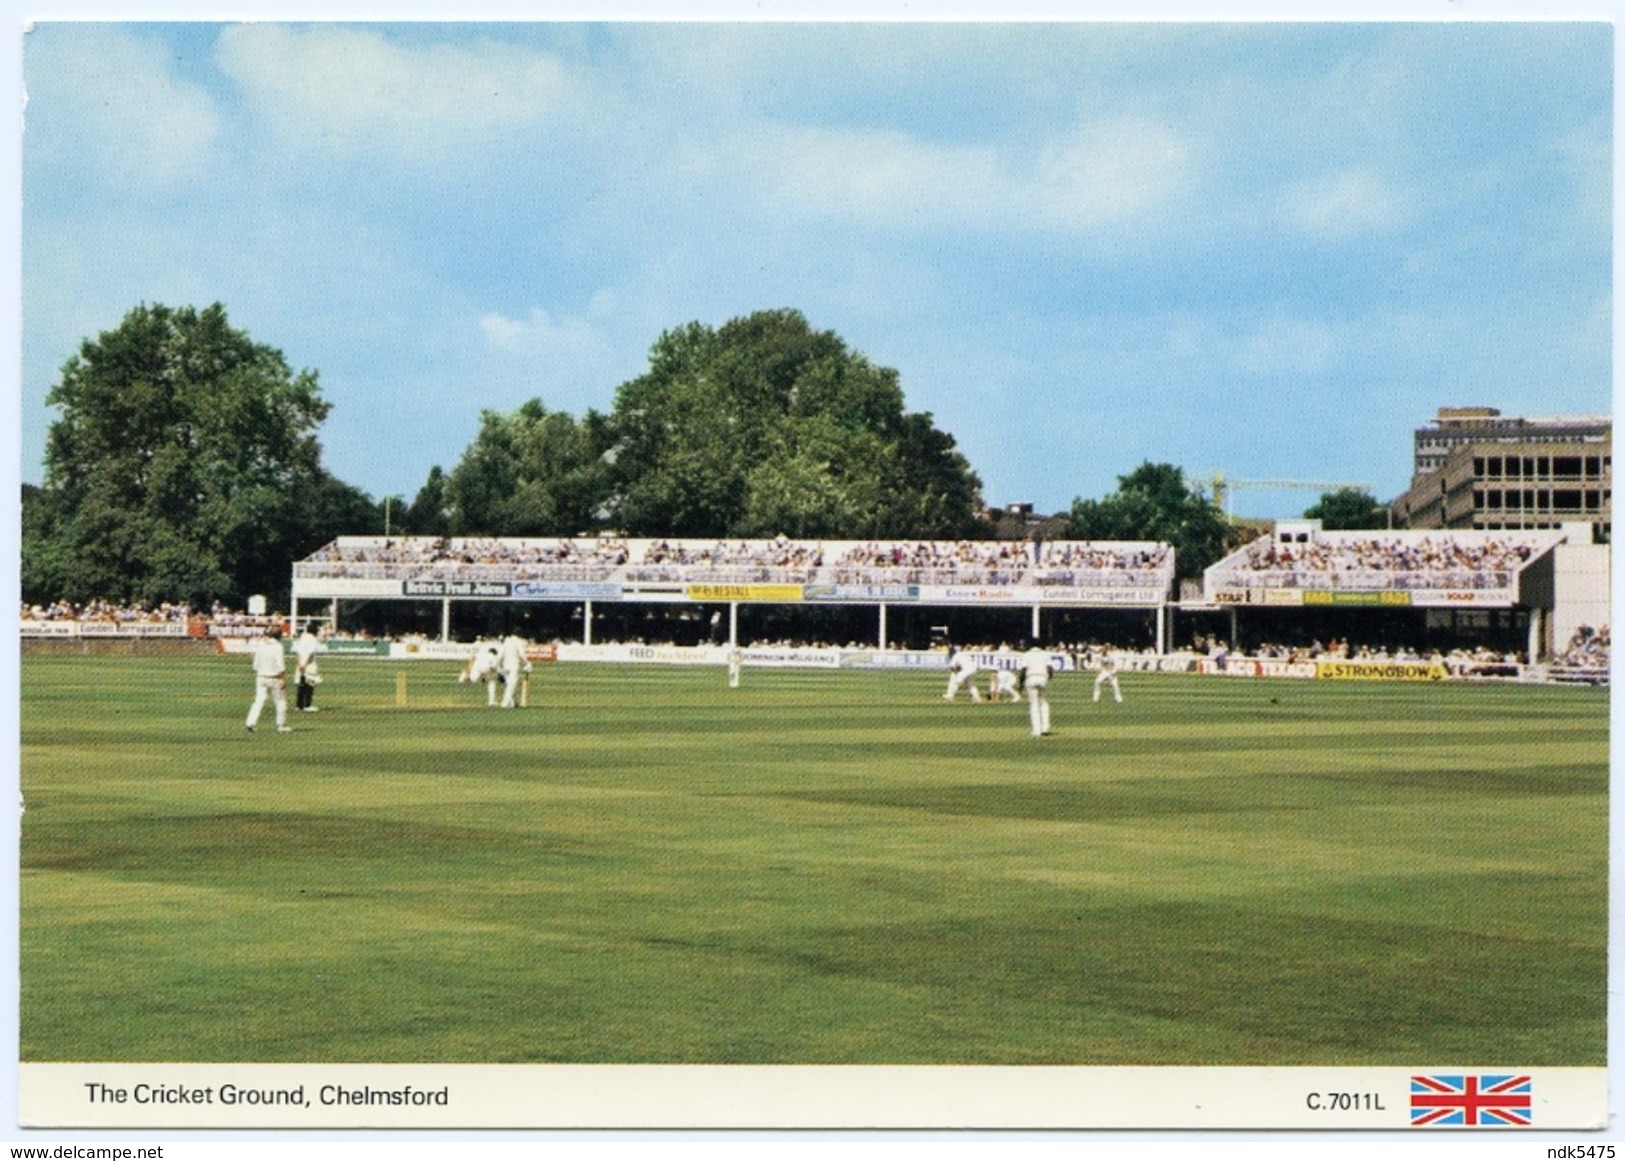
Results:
1266 249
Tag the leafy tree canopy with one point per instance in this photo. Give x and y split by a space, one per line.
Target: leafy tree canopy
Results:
184 466
429 513
766 426
1154 502
1349 508
532 473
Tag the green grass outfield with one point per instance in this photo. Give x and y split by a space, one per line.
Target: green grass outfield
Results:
818 867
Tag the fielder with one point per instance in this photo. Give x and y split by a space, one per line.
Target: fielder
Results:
1002 685
736 663
1035 673
484 666
513 661
270 680
1108 676
307 676
961 668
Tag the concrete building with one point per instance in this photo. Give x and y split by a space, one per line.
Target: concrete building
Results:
1455 427
1477 469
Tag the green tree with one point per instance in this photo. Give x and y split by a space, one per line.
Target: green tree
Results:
184 465
1349 508
767 426
532 473
429 513
330 508
805 484
1153 502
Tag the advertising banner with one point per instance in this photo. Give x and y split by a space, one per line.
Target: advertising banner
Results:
484 590
446 650
1381 670
938 659
1383 598
132 629
219 632
867 594
1463 598
791 658
1063 595
1256 667
331 587
1230 667
973 595
356 648
1274 667
1095 595
50 628
781 594
566 591
1259 596
1012 659
1151 663
895 659
246 630
430 650
621 654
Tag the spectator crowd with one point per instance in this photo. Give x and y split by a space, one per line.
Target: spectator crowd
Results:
1371 562
1004 562
108 612
779 560
581 559
1587 649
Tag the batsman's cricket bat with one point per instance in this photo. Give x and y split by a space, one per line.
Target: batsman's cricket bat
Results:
524 694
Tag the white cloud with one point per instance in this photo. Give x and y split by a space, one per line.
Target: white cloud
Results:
873 174
538 333
1111 171
339 84
1105 173
101 95
1344 205
572 360
1290 346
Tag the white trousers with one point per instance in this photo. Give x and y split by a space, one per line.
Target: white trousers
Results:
1105 678
1038 707
958 679
510 689
268 687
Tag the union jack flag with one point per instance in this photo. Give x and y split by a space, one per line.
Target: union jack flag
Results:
1471 1100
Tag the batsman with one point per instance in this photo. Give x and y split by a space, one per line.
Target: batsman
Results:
514 663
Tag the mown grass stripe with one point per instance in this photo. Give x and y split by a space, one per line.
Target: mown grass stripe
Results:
817 867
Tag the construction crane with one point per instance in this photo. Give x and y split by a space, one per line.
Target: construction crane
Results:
1223 485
